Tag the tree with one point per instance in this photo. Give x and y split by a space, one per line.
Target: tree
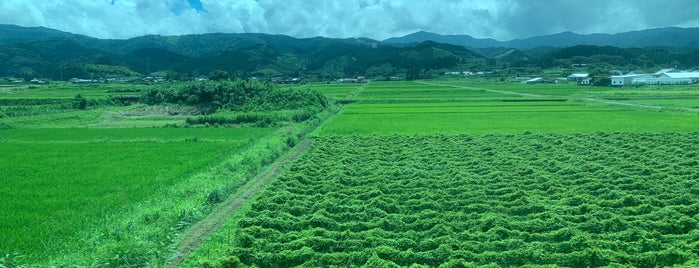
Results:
80 102
601 77
219 75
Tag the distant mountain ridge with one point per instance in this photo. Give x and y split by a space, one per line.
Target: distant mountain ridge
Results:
659 37
30 52
41 52
10 34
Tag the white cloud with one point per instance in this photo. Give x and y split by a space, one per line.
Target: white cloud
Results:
378 19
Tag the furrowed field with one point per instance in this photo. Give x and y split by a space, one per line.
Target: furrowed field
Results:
573 200
461 174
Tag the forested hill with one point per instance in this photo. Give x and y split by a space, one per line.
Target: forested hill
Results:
660 37
50 54
46 53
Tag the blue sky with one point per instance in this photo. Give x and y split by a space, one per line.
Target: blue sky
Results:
377 19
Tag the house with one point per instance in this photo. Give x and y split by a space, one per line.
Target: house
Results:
536 80
359 79
578 77
37 81
80 81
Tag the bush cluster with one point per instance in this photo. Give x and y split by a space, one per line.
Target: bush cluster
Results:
238 95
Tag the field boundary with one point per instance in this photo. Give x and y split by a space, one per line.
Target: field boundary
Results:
587 99
196 235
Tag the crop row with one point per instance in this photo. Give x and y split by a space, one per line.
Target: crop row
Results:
511 200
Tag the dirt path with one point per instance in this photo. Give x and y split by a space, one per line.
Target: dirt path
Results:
196 235
487 90
623 103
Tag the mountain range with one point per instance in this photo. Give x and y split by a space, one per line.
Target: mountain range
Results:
660 37
47 53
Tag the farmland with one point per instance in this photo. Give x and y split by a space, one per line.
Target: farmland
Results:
575 200
456 108
501 117
459 174
57 182
112 183
424 173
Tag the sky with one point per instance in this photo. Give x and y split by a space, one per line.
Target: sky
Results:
377 19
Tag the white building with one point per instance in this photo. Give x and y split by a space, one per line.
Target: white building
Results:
661 81
694 76
627 79
536 80
578 77
662 77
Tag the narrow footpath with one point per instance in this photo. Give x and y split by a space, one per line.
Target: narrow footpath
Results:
196 235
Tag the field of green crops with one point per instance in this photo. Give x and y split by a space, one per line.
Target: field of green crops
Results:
113 183
453 108
59 182
566 200
465 174
502 117
426 174
66 91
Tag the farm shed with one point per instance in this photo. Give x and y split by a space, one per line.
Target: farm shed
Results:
536 80
621 80
662 77
661 81
693 76
578 77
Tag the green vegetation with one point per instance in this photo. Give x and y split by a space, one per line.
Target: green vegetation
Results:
548 175
577 200
457 107
317 59
241 102
483 171
60 182
92 181
502 117
433 173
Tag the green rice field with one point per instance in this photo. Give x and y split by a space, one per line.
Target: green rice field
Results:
457 108
58 183
456 173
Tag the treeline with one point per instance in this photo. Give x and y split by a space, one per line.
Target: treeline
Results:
614 57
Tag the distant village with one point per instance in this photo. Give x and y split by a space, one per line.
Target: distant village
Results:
670 76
